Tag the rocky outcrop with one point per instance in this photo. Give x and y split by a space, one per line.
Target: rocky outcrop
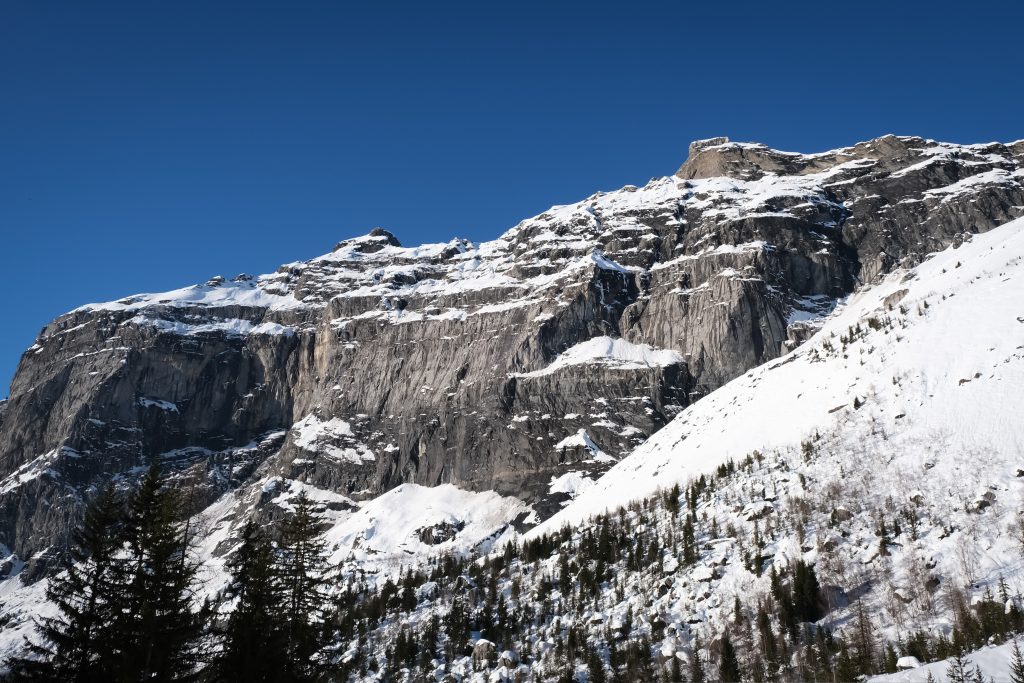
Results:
378 364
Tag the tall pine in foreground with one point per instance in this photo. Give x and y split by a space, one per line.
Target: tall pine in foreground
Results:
158 629
301 583
253 648
76 646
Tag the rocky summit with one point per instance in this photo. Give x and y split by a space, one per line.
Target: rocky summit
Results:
518 366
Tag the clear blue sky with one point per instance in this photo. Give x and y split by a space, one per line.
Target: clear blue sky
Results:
149 145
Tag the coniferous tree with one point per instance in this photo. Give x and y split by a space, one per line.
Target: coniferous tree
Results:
301 581
696 666
806 592
846 667
1017 664
595 668
253 648
158 627
864 641
689 542
729 666
956 670
75 645
675 671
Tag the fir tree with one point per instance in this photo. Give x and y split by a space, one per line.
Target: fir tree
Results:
806 592
75 645
253 648
729 666
696 666
675 671
1017 664
300 572
158 628
595 669
956 670
689 542
864 641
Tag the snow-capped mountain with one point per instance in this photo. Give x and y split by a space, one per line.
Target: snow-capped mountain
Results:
447 398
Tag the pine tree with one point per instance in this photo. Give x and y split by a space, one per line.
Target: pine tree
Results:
253 648
1017 664
890 659
806 592
764 628
864 641
300 573
675 671
956 670
158 628
729 667
696 667
75 644
595 668
689 542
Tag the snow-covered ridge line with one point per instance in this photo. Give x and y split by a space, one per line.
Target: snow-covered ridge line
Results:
375 265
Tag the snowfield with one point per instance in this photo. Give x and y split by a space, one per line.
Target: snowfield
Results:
389 530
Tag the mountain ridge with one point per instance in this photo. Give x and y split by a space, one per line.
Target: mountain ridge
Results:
428 363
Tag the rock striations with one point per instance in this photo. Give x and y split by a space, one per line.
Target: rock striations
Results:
503 366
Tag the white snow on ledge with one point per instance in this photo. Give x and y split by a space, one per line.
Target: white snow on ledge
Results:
581 439
232 327
617 354
570 483
147 402
314 435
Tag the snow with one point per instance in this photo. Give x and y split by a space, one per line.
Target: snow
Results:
615 353
311 433
23 604
147 402
908 662
212 294
994 662
581 439
722 249
33 469
385 531
234 327
571 483
970 331
996 176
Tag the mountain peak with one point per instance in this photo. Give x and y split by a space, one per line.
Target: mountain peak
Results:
375 240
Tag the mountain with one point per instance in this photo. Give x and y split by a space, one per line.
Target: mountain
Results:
450 397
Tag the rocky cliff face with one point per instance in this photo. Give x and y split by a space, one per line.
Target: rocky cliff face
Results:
559 346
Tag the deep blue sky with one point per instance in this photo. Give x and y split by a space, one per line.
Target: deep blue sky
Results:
149 145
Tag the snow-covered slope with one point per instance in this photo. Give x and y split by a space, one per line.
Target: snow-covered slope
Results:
931 373
994 663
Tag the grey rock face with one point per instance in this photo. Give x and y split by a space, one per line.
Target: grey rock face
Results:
479 365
